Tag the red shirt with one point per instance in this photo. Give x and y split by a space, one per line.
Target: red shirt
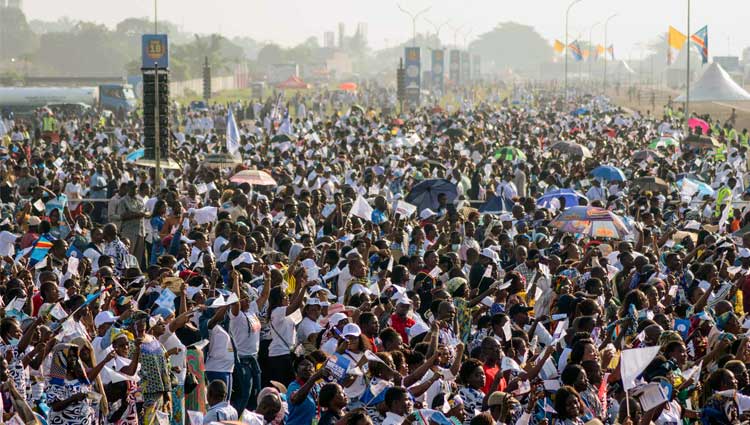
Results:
489 375
401 325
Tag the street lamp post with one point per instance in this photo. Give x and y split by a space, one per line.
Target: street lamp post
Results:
606 26
567 12
414 17
591 46
437 29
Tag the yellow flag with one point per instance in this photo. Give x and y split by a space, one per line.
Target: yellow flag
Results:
559 47
675 41
600 50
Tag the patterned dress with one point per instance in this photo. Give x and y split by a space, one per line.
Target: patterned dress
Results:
472 402
155 379
81 413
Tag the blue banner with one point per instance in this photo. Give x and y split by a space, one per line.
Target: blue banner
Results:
413 74
438 68
154 51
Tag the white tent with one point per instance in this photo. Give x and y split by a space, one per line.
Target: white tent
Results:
715 85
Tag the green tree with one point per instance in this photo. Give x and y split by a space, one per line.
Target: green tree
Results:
16 36
512 45
270 54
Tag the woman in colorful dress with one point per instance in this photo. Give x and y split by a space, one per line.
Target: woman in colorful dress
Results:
156 383
68 389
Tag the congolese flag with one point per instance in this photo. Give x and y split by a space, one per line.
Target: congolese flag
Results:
40 250
575 51
700 40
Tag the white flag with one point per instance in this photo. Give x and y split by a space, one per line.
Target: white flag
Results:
633 362
233 134
361 209
404 209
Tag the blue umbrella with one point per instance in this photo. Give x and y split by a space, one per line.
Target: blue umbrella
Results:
580 111
703 188
608 173
425 193
571 197
135 155
496 205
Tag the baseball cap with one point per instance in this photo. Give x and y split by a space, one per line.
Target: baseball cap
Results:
313 301
402 299
34 221
104 317
498 398
491 254
336 318
744 253
351 329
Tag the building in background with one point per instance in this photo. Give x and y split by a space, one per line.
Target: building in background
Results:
362 31
342 35
329 40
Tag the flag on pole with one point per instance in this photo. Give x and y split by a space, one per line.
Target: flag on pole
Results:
599 50
559 46
675 40
233 134
700 40
586 54
611 51
575 51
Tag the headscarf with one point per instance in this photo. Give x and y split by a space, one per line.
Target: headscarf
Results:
81 342
58 370
279 419
722 320
455 283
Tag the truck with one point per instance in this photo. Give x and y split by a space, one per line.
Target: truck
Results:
112 97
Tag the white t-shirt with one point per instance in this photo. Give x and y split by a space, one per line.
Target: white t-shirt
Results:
306 328
245 329
218 243
169 340
220 352
283 334
73 191
355 390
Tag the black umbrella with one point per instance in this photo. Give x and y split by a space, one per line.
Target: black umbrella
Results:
280 138
425 193
457 132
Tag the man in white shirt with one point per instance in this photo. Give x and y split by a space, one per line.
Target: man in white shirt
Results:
220 359
597 192
399 406
73 191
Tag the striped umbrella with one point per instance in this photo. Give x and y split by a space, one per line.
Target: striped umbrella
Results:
591 221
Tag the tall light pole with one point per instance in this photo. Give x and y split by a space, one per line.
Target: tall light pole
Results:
414 17
437 29
466 38
567 12
606 49
456 30
591 46
687 91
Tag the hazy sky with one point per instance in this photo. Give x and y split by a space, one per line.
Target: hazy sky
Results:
290 21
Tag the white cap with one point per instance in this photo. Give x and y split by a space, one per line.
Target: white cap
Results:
336 318
426 213
34 221
313 301
491 254
744 253
402 299
506 217
351 329
317 288
104 317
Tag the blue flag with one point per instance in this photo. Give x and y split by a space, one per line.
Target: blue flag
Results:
233 134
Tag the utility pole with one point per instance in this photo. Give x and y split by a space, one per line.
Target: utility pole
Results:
592 48
437 29
606 50
687 92
567 12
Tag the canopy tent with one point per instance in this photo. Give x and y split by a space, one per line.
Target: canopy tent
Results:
293 82
716 86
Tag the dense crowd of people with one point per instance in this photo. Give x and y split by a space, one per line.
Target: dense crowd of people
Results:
524 259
